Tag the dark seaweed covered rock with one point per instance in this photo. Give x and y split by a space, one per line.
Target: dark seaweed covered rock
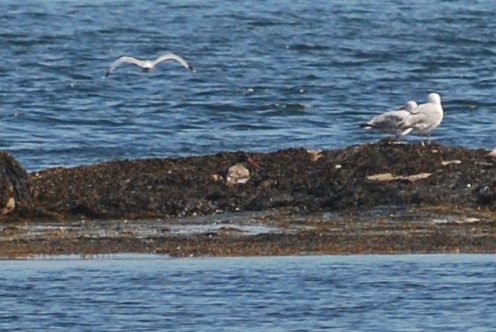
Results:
15 184
486 194
354 178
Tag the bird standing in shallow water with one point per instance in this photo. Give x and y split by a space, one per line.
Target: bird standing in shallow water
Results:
388 122
239 173
147 65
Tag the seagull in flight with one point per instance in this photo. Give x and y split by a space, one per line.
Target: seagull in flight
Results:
147 65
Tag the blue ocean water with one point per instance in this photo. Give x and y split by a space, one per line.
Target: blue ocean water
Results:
313 293
270 75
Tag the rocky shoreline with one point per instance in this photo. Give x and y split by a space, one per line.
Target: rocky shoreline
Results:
371 198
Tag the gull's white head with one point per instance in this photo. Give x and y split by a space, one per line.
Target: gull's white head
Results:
434 98
410 106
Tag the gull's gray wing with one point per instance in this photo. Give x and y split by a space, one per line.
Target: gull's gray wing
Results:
121 60
389 119
172 56
425 118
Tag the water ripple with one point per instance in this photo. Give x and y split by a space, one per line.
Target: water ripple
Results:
365 293
300 75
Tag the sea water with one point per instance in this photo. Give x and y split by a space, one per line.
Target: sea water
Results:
301 293
269 75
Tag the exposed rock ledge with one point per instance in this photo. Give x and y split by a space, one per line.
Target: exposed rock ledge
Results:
350 180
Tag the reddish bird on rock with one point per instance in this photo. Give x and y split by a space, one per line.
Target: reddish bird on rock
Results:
239 173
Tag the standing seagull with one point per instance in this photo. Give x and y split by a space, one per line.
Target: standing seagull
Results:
388 122
147 65
425 117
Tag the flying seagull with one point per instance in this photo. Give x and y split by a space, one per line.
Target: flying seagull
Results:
147 65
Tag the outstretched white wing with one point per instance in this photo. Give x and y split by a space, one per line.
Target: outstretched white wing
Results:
124 59
172 56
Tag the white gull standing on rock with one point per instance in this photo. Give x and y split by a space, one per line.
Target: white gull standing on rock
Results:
388 122
425 117
147 65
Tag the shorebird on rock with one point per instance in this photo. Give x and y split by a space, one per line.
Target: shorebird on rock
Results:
239 173
492 153
388 122
425 117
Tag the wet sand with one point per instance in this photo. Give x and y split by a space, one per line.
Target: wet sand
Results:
371 198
